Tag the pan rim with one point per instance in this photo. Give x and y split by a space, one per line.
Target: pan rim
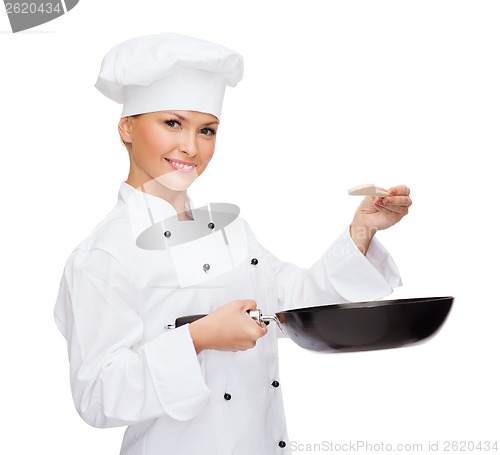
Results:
367 304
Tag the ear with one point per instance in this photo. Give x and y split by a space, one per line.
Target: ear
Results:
125 129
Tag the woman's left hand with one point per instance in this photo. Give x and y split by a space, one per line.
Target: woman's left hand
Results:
377 213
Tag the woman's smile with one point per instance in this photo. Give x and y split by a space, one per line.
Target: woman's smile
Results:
179 165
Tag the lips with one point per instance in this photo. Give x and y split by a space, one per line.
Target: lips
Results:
179 165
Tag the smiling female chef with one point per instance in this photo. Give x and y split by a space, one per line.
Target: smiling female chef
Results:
212 386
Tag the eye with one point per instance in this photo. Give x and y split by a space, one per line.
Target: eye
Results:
172 123
208 131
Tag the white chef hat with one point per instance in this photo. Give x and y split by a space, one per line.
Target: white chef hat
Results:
168 71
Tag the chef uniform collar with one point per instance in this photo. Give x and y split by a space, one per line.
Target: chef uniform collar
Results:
144 209
208 246
168 71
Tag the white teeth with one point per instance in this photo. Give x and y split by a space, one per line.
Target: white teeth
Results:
181 165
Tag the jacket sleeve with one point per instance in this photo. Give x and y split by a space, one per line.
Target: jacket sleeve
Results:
342 274
115 378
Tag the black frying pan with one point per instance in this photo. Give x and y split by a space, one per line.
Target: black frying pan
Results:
359 326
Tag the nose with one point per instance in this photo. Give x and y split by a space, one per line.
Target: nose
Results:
188 145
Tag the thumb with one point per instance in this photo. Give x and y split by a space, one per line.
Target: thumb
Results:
248 305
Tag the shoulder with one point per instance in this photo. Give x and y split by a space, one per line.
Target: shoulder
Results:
110 240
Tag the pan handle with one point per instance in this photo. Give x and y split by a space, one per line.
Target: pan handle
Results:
256 315
183 320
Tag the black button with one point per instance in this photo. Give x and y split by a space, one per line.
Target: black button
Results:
282 444
275 384
254 261
167 234
227 396
206 267
211 225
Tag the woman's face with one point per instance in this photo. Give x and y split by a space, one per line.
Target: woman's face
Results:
171 147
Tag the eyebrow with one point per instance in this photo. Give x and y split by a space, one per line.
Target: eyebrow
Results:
184 119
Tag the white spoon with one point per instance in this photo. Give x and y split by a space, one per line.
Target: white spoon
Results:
368 189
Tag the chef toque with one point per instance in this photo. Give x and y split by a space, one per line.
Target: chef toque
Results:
168 71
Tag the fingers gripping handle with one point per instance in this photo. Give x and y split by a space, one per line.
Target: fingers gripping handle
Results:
260 319
256 315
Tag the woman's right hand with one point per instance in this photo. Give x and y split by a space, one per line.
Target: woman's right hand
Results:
229 328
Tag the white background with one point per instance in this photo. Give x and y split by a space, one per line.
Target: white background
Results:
335 94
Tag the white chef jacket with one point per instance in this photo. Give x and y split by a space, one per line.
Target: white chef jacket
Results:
127 369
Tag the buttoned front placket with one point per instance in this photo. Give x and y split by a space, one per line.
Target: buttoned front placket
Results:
267 302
